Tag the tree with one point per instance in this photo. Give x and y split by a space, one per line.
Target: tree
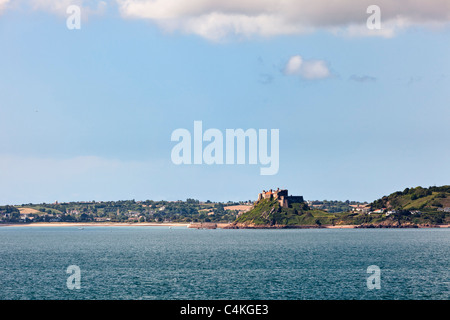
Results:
84 217
15 216
436 203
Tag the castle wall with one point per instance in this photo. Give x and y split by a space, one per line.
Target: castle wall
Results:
295 199
281 196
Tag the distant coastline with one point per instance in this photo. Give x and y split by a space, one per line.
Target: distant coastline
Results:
274 209
219 225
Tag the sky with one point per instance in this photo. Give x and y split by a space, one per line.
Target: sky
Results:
87 114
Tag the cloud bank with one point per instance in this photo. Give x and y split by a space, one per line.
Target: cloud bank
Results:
219 19
216 19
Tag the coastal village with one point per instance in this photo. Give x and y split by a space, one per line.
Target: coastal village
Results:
111 211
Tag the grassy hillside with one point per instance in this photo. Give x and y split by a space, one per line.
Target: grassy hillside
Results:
269 213
423 199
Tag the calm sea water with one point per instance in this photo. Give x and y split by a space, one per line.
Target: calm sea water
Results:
181 263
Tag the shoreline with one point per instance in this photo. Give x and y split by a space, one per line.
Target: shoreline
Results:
95 224
343 226
219 225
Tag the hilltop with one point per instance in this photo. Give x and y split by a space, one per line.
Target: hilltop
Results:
268 213
275 209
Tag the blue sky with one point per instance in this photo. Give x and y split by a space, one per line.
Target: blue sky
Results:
88 114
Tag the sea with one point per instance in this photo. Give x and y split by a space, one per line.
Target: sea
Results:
177 263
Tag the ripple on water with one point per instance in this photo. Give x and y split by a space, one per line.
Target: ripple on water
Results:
180 263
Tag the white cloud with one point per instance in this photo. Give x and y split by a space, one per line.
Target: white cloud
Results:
3 4
219 19
315 69
294 64
307 69
216 19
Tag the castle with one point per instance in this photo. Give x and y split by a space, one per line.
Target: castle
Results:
281 196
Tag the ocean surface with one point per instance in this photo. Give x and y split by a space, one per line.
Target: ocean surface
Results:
180 263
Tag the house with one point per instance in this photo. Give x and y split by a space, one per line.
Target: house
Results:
388 213
133 213
25 217
360 208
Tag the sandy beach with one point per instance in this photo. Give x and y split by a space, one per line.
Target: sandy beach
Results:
95 224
